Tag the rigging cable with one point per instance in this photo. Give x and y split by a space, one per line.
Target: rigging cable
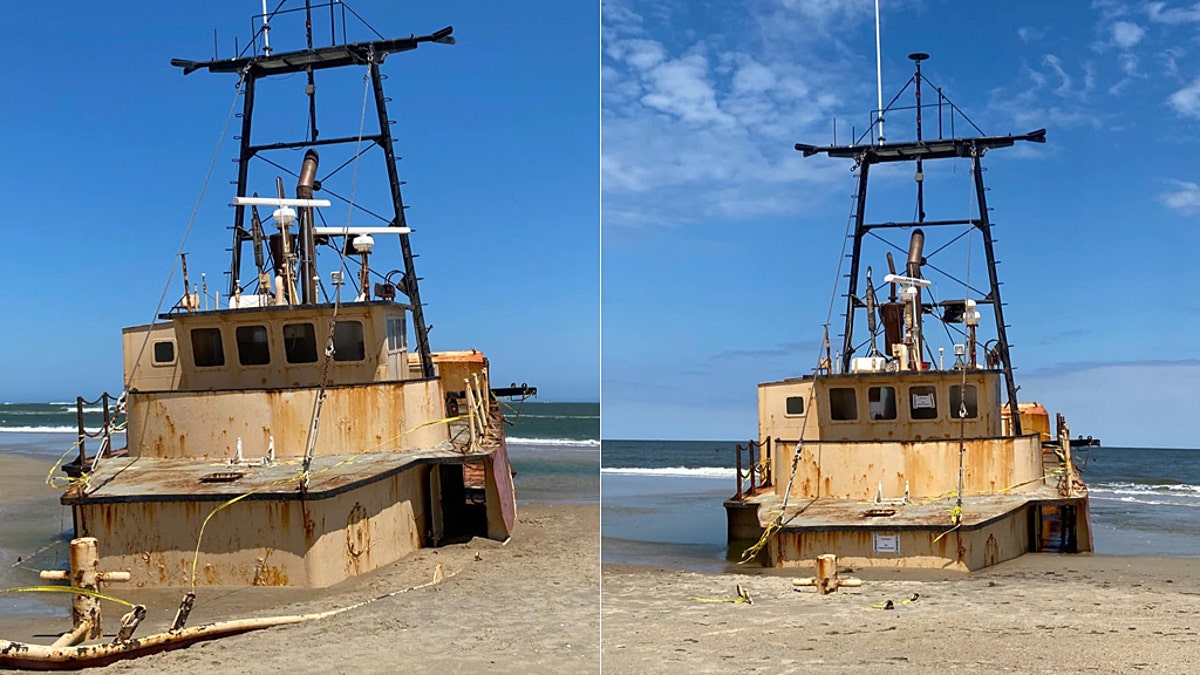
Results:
776 523
957 512
191 221
314 426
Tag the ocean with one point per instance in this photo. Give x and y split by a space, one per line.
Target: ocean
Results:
554 448
662 502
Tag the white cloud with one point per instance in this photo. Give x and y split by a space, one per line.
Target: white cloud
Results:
1034 107
703 128
1186 101
1170 59
827 11
1160 13
1030 34
1127 34
1129 64
1184 198
681 87
1055 64
1110 9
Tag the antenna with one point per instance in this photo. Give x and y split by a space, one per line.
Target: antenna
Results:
266 31
878 74
917 58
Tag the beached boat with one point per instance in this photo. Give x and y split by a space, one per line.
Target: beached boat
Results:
893 458
289 432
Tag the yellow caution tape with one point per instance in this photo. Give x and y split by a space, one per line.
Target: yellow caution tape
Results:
735 601
66 589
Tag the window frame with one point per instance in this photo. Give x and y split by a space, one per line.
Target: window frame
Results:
338 350
926 389
895 407
972 401
220 343
836 407
289 352
787 400
154 361
265 345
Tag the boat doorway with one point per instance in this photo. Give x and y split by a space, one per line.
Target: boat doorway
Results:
457 503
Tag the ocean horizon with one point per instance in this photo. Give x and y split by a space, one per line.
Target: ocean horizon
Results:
663 501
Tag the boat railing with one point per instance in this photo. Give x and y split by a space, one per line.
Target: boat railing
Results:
113 409
755 473
484 417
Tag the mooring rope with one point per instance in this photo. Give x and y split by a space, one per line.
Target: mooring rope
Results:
187 231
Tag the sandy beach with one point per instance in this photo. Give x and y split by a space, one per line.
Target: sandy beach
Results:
529 606
1039 613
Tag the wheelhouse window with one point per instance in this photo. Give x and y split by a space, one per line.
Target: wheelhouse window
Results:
882 403
794 405
964 401
252 345
843 405
164 352
207 350
396 336
348 341
922 403
299 342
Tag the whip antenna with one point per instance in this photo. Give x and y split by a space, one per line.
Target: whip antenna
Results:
878 75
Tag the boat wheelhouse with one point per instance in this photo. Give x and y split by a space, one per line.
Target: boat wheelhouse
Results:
893 457
300 430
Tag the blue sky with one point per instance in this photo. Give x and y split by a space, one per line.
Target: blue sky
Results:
104 148
721 242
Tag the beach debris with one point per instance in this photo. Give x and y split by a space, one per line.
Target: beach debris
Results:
181 615
743 596
129 623
59 657
85 578
827 580
891 604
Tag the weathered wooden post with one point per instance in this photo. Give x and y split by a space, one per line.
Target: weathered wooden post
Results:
827 575
738 495
85 574
827 580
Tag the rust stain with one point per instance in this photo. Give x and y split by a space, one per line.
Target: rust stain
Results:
211 577
310 525
991 551
358 537
270 576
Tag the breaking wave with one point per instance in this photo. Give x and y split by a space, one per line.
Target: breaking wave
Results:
675 471
571 442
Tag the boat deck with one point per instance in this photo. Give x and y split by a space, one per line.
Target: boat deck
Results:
156 479
851 514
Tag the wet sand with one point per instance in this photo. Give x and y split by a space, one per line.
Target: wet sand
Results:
531 605
1039 613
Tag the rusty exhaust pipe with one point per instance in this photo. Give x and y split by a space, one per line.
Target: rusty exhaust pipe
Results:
308 244
916 250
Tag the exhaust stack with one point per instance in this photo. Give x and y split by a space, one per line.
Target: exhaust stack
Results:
308 244
916 250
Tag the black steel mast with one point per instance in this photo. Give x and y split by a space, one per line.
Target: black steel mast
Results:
918 151
371 54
